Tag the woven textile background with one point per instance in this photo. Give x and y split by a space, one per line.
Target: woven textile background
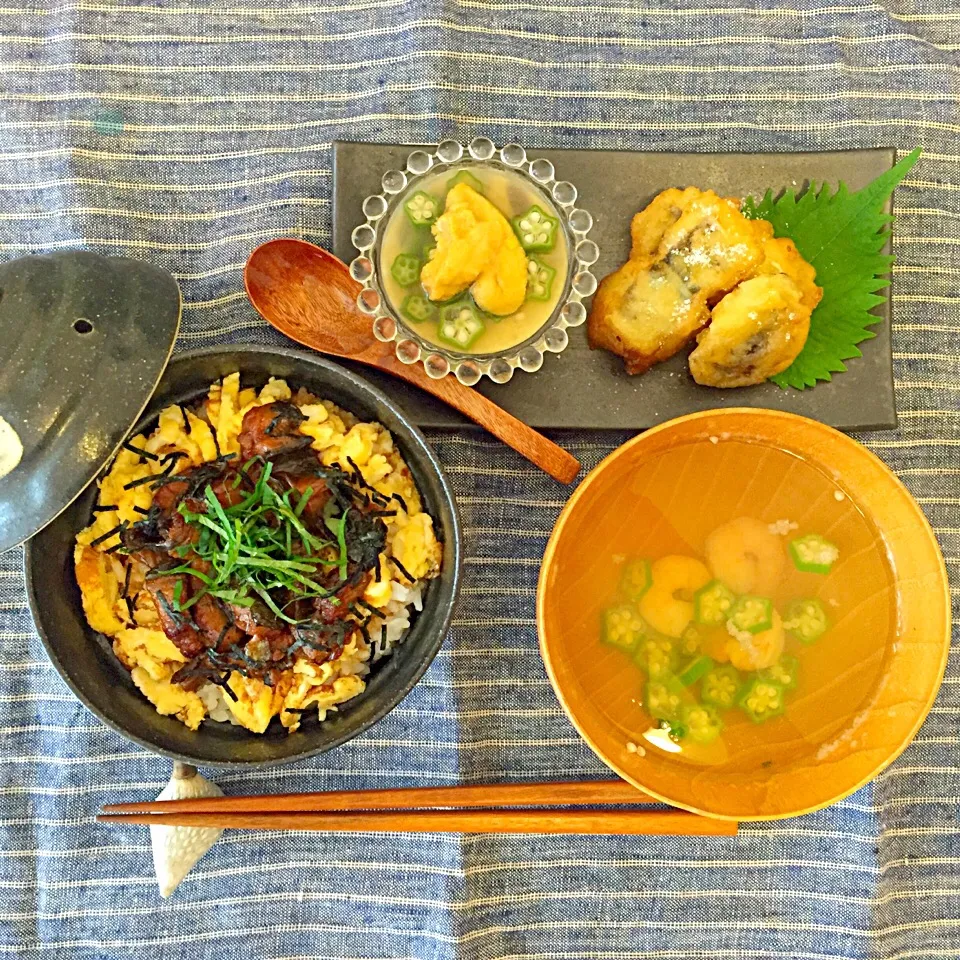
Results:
186 134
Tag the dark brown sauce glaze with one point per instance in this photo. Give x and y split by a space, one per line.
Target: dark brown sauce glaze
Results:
218 636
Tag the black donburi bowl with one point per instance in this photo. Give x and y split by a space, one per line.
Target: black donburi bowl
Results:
85 659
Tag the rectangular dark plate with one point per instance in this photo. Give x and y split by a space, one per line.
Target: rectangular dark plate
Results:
583 388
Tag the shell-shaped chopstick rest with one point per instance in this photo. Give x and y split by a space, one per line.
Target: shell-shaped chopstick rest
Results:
177 849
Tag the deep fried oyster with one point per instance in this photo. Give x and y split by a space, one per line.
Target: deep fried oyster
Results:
697 261
780 255
645 315
756 331
703 238
689 248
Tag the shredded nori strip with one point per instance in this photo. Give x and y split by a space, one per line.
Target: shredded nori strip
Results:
147 479
168 469
356 470
173 455
126 581
119 528
176 616
216 442
141 511
377 570
294 709
375 494
143 454
114 548
222 682
106 509
129 602
371 609
401 501
403 569
187 426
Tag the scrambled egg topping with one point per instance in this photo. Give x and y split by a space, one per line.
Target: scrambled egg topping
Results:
139 642
476 248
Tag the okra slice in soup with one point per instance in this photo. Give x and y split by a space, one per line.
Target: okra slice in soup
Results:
536 230
465 176
540 279
460 326
813 553
664 698
656 654
421 209
762 699
702 724
636 578
417 308
806 620
623 627
752 614
786 672
406 269
720 687
712 603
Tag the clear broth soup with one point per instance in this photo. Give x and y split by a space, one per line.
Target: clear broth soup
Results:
513 195
654 655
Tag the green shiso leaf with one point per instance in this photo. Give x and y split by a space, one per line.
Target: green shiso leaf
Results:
841 234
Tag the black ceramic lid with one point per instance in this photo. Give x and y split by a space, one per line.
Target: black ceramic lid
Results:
84 340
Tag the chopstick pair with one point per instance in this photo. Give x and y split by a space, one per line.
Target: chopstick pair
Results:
483 808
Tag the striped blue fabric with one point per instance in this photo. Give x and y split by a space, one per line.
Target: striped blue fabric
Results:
185 133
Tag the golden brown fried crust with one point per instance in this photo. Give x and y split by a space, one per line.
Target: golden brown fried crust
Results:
756 331
649 225
780 255
644 316
702 236
689 247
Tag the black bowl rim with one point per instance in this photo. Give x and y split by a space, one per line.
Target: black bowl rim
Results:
451 540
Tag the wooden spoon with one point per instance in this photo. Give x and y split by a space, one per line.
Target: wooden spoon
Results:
309 295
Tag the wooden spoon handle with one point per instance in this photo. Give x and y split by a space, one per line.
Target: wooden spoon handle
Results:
504 426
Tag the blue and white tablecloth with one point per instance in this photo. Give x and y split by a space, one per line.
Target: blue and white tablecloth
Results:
185 133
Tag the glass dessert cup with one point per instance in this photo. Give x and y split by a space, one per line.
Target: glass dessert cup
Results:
546 318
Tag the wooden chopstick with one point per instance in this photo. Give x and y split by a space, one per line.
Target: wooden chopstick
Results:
405 798
480 808
454 821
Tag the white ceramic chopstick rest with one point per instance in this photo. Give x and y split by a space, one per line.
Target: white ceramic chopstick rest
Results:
177 849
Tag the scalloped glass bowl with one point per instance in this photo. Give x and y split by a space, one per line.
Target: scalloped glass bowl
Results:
559 199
